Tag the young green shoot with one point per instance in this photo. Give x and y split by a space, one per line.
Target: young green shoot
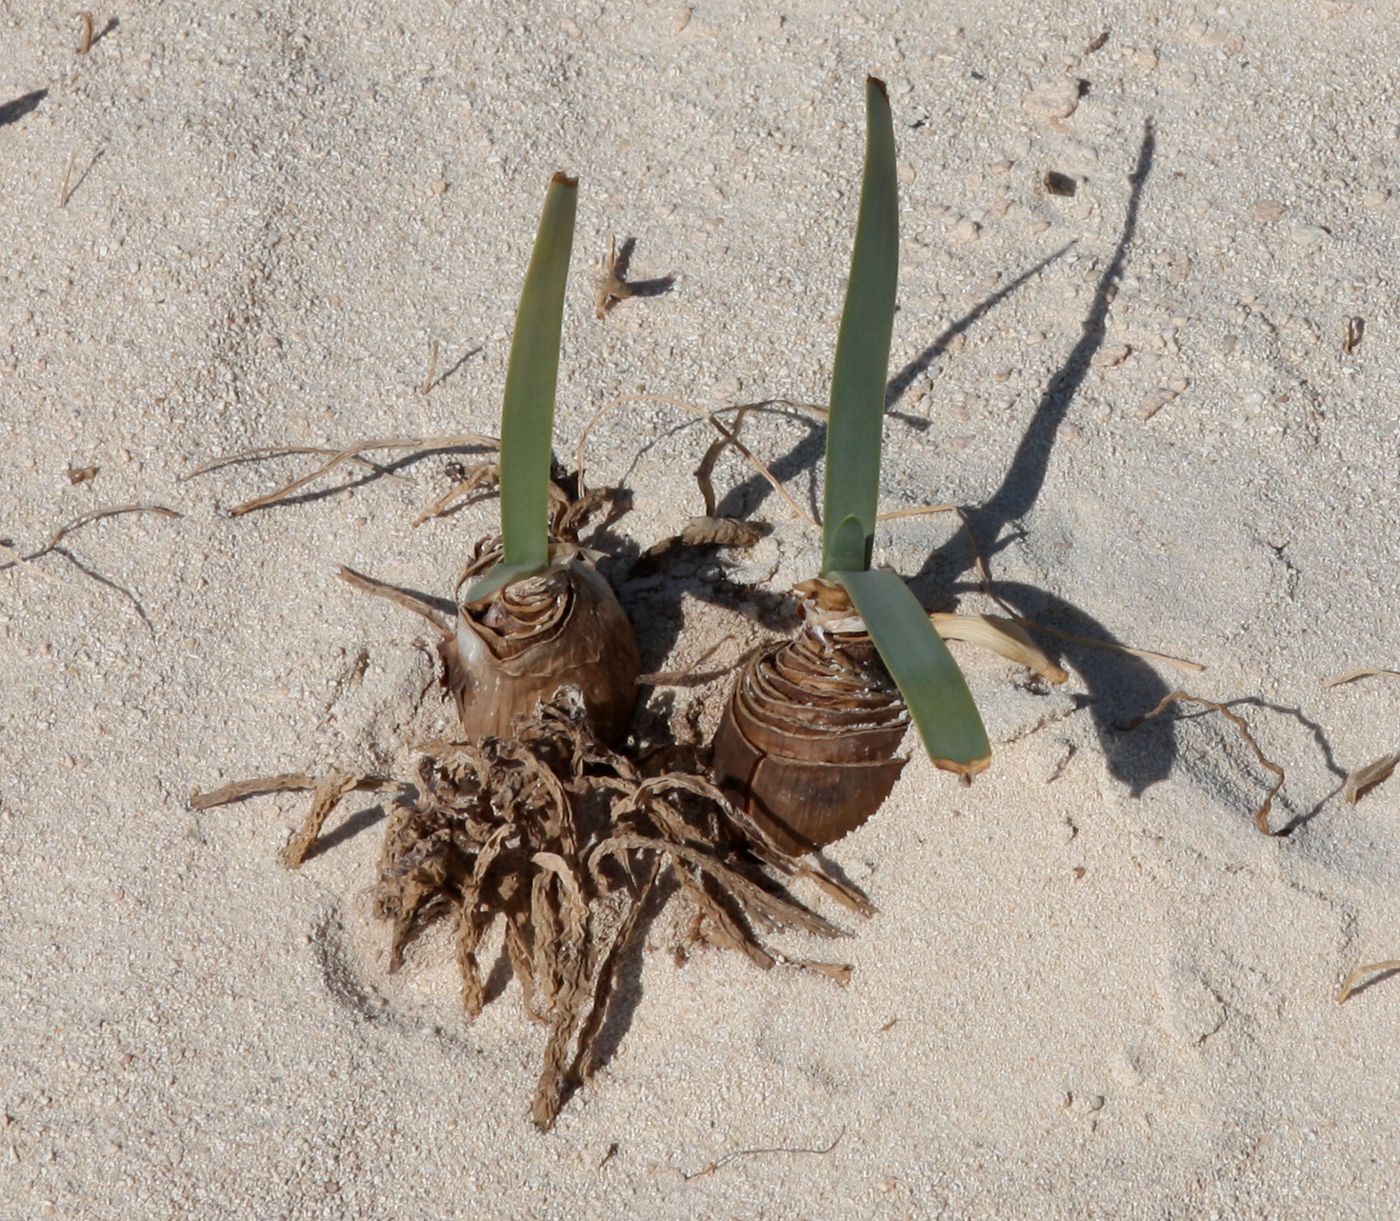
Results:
917 659
527 416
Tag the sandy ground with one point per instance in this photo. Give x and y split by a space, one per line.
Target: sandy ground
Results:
1093 987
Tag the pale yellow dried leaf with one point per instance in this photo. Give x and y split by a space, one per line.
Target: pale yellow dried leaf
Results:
1002 636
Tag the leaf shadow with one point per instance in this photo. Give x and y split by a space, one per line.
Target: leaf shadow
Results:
1111 677
655 287
745 497
14 111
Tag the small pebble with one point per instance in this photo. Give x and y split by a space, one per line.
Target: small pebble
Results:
1226 40
1308 235
1053 99
966 230
1110 356
680 18
1268 210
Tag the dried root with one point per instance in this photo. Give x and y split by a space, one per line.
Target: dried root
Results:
567 844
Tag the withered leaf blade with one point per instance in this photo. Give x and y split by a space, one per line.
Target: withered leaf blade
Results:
1361 780
1002 636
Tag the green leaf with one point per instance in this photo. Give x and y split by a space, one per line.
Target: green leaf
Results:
863 352
527 418
922 668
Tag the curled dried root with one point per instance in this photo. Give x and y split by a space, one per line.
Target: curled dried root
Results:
567 843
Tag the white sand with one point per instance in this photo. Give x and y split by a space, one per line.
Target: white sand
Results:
1112 996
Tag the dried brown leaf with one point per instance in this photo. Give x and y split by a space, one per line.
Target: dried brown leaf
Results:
839 971
722 532
470 927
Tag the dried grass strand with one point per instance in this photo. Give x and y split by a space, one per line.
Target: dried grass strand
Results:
1353 981
988 587
263 452
738 1153
86 519
350 453
1261 815
1361 780
1361 672
580 458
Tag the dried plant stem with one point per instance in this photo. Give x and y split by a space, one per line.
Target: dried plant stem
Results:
1362 672
738 1153
714 421
480 476
349 454
86 519
612 288
1261 815
1353 981
66 190
284 782
917 511
26 561
399 597
430 378
1361 780
681 678
283 451
328 792
28 565
85 38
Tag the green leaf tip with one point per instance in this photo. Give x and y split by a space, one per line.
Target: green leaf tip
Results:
922 668
862 362
527 415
